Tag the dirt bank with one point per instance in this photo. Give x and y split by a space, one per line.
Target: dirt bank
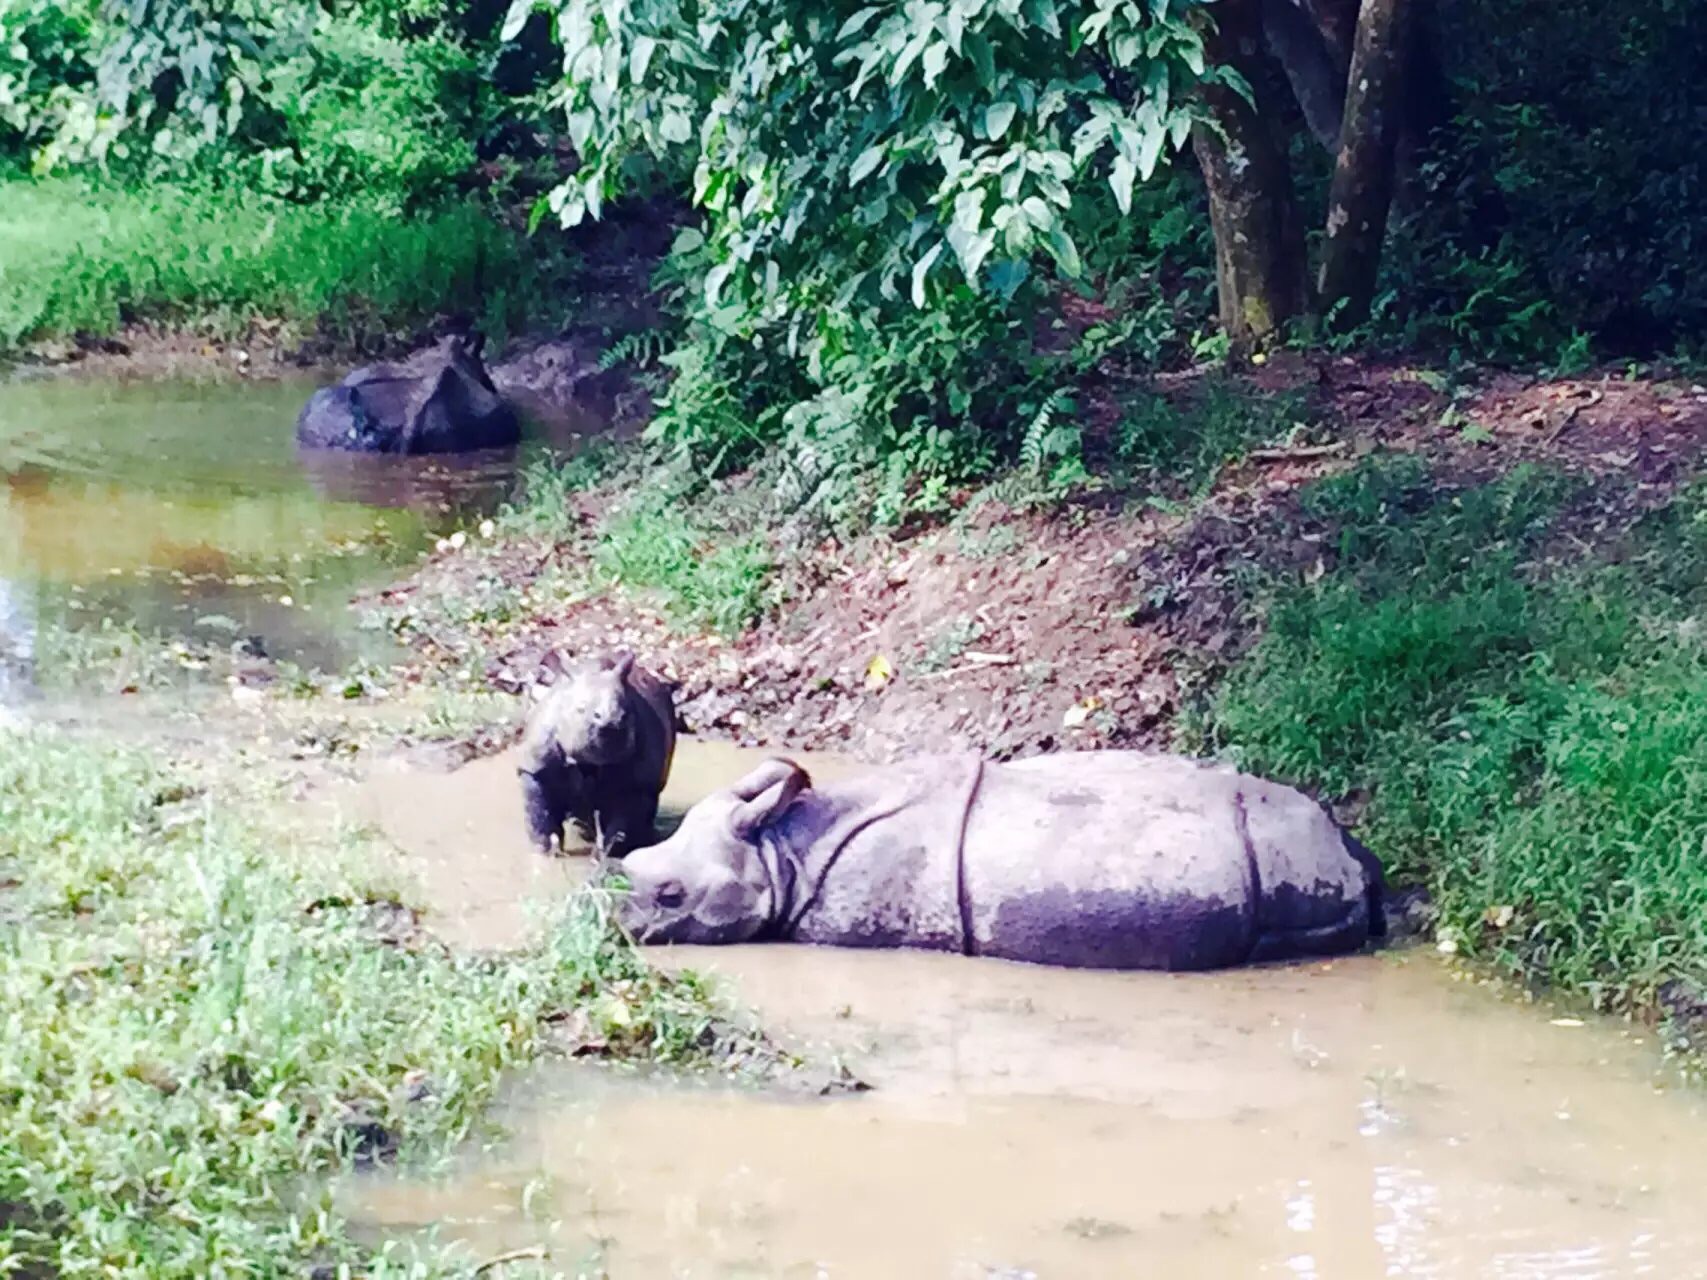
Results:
1092 624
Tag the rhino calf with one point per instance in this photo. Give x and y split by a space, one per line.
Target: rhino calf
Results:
1098 859
597 752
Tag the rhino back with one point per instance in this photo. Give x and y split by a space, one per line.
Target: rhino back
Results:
453 410
654 710
1112 860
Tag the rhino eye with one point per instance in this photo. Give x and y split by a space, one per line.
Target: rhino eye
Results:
670 894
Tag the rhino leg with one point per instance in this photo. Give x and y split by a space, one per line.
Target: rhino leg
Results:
1348 934
1375 875
551 796
629 823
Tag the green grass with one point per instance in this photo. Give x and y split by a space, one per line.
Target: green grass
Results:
1534 737
543 505
76 257
716 578
1189 436
204 1019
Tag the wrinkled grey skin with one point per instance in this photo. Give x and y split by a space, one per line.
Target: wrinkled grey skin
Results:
438 401
1109 860
597 752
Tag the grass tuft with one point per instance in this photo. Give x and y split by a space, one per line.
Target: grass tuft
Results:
207 1011
719 579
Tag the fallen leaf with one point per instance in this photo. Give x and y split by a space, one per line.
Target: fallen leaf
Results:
1567 1022
878 673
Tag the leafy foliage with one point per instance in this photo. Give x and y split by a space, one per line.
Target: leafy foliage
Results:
891 196
1565 195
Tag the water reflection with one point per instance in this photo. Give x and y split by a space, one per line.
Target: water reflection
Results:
170 506
17 646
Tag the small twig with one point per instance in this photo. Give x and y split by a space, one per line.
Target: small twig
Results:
1300 453
533 1253
1571 415
990 659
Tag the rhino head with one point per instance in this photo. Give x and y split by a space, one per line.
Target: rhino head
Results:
587 707
712 881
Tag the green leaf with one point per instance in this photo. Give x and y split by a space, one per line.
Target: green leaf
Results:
1064 251
640 57
715 280
675 127
983 58
997 117
536 215
1150 150
970 248
1190 51
1121 180
855 24
920 269
908 57
954 27
936 58
867 163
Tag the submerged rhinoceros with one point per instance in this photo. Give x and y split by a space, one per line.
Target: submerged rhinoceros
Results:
597 751
1113 860
440 400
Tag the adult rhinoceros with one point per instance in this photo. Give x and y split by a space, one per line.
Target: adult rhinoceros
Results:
1112 860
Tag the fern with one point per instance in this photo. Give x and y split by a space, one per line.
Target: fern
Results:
1044 439
644 349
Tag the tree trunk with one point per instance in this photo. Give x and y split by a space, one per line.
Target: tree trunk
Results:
1260 266
1314 68
1362 190
1337 21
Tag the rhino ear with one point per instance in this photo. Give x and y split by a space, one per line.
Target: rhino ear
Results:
767 775
765 794
549 672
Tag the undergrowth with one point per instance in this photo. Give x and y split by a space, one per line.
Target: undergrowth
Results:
198 1030
1532 734
718 578
83 258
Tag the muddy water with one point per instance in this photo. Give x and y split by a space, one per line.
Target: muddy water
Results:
1367 1117
183 508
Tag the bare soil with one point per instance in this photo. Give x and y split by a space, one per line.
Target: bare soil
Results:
1090 626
